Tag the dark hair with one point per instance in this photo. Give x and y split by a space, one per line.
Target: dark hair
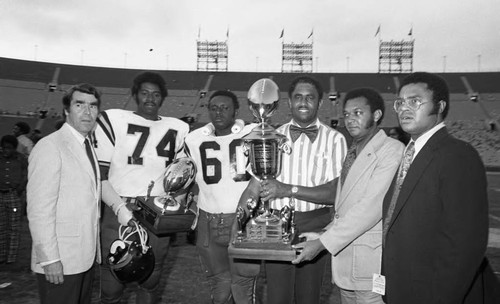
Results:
226 93
24 128
150 77
435 84
9 139
373 98
84 88
306 79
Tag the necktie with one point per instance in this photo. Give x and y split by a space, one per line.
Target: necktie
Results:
403 169
90 155
311 132
349 160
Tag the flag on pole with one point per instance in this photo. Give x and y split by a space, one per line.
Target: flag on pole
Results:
410 33
310 35
378 31
227 33
199 30
282 33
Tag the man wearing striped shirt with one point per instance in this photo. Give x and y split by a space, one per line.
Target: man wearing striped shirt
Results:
307 181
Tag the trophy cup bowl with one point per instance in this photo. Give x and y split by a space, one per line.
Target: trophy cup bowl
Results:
263 99
178 176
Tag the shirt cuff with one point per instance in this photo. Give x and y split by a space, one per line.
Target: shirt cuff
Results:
43 264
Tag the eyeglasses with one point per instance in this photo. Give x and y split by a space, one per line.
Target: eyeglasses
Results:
413 103
222 109
148 94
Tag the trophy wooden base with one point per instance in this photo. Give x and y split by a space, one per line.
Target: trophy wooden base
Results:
263 241
161 223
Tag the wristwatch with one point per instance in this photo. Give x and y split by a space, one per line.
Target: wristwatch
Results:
295 189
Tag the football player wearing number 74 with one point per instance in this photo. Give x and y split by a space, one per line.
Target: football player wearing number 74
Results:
133 149
221 178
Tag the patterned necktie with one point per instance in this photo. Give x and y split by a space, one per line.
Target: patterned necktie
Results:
349 160
311 132
90 155
403 169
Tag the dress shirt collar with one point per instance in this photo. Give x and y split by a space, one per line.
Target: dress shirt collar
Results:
79 137
314 123
422 139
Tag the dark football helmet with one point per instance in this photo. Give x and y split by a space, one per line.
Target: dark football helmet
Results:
130 258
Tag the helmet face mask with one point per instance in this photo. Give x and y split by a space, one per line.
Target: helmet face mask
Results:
131 260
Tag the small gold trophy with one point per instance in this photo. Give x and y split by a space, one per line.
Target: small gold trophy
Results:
267 235
164 214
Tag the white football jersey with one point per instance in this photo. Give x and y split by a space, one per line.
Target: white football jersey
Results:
221 168
137 150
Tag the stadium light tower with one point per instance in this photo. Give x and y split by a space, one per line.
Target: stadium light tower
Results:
212 55
297 57
396 56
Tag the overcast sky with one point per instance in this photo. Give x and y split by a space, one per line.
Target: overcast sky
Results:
450 35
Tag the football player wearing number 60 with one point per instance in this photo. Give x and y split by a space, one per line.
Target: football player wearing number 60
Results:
133 149
221 178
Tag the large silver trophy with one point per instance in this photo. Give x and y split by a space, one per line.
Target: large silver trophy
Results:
267 235
264 144
165 214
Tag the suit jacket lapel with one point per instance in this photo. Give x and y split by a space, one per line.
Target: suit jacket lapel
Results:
77 150
416 171
361 164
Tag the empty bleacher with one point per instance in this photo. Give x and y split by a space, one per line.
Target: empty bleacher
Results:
24 90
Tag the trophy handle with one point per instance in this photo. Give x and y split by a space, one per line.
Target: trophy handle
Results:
246 148
285 147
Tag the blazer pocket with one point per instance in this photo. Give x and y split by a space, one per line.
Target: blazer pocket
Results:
367 251
68 229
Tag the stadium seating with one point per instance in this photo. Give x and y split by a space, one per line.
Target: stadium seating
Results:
24 92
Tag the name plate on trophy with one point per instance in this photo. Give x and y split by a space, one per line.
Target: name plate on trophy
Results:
264 241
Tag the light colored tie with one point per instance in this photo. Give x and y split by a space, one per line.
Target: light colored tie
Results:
403 169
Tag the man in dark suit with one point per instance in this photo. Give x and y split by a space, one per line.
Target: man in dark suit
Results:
436 211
